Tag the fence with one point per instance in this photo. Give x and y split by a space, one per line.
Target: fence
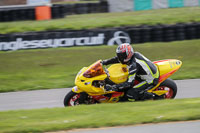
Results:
109 36
136 5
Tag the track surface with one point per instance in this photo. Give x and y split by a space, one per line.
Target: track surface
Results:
172 127
54 97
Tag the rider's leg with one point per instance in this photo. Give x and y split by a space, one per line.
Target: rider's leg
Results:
139 92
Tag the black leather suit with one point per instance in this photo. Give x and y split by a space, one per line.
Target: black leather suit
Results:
142 69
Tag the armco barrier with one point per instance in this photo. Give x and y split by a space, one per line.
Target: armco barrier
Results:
106 36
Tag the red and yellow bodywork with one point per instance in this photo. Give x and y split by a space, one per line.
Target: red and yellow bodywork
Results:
118 73
166 69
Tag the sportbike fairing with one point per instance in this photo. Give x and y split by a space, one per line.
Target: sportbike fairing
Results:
166 69
87 77
90 78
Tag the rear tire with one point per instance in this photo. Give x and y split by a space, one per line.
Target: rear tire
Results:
169 85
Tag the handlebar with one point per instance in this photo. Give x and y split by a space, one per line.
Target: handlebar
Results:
107 72
105 69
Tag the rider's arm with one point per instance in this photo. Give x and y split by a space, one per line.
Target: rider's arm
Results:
110 61
131 78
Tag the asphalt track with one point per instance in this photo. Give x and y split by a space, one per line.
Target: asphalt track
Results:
54 97
171 127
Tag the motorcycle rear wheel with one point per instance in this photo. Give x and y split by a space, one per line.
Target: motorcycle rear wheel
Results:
169 85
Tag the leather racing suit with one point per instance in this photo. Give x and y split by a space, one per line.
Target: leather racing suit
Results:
141 69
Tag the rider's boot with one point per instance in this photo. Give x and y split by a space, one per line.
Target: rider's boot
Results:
148 96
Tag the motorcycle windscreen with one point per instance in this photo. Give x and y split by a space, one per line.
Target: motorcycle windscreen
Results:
94 70
118 73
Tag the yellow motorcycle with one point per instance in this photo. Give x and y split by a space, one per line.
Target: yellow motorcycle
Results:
90 82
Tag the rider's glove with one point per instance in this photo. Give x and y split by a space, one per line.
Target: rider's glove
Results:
110 87
103 62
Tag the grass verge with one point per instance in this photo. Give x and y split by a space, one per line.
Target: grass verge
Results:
101 115
88 21
57 67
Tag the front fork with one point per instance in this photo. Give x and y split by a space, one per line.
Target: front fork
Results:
84 97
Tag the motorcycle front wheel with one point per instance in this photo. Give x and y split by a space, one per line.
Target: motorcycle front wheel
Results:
71 99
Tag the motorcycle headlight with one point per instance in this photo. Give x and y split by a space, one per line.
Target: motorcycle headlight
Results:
75 88
79 72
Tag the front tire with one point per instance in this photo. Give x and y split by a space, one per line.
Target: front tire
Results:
71 99
169 85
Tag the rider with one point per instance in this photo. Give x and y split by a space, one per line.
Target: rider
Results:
140 68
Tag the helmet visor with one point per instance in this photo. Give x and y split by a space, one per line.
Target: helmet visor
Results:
122 57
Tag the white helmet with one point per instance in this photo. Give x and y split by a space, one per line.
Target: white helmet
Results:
124 53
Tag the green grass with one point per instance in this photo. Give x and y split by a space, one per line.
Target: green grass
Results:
101 115
57 67
87 21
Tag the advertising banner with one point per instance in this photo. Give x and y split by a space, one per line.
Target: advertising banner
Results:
142 5
66 39
138 5
176 3
104 36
